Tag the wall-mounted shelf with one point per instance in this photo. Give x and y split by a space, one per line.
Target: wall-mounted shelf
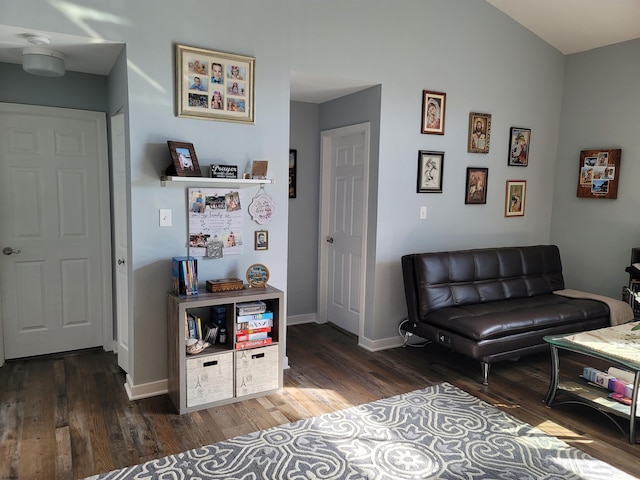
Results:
216 182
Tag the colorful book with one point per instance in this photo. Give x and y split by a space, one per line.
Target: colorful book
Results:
253 324
253 343
248 331
254 316
246 337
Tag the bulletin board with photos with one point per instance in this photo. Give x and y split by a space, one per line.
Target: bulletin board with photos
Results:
214 85
599 173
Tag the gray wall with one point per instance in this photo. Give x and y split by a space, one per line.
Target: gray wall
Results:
302 270
81 91
600 109
482 59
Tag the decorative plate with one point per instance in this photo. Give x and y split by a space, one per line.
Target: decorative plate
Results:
262 208
257 275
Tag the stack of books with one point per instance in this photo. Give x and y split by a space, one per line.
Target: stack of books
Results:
253 325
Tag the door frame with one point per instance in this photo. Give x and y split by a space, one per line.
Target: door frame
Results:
326 142
100 118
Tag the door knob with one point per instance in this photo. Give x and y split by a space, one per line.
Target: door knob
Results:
9 251
120 261
329 239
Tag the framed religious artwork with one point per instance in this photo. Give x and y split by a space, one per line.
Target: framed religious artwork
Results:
519 141
261 240
476 187
185 162
599 172
430 170
214 85
479 132
433 110
515 197
293 172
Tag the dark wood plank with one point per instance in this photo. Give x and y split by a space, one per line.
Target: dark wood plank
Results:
73 410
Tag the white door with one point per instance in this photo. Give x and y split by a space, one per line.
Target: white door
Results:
54 230
345 171
121 237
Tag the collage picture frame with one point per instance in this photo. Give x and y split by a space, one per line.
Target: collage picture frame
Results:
213 85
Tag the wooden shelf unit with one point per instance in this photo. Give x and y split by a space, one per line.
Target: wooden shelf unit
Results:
221 374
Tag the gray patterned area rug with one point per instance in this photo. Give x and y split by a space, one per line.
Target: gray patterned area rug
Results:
437 432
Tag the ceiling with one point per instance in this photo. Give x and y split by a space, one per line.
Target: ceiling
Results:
571 26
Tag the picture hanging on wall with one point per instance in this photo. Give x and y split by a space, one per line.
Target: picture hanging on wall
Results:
515 198
293 172
479 132
599 172
214 85
519 141
430 166
476 192
433 110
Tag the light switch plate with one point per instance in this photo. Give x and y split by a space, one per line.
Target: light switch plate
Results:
165 217
423 213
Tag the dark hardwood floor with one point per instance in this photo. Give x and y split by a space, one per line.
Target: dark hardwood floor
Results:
68 416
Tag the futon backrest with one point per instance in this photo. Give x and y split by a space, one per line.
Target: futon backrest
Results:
443 279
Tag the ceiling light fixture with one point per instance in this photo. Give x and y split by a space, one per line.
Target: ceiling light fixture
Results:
42 61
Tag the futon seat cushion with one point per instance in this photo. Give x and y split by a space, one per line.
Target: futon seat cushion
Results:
505 318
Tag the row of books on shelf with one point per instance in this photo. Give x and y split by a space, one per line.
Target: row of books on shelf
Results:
617 381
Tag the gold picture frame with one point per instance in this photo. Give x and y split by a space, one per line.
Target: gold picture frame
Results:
479 132
213 85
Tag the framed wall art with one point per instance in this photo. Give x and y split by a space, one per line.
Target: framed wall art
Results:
430 170
262 240
433 109
599 172
185 162
293 172
479 132
476 189
214 85
519 140
515 198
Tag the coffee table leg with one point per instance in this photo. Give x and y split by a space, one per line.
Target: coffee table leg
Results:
555 373
634 406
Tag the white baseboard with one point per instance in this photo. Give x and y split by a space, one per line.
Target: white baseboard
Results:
301 319
146 390
383 344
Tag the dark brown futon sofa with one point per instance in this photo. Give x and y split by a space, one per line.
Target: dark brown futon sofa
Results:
493 304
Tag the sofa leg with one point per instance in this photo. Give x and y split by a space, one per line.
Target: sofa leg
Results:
485 372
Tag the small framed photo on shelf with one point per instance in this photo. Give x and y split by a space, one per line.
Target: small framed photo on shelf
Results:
430 170
476 190
479 132
433 109
214 85
519 140
185 162
515 198
262 240
259 169
293 164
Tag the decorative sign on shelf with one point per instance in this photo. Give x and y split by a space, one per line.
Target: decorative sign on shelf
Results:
224 171
599 173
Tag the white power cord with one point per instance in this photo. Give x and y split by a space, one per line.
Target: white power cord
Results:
406 336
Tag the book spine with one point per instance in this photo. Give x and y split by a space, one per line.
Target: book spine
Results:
254 316
253 324
249 331
253 343
251 336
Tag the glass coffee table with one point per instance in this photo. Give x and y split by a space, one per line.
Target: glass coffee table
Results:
617 345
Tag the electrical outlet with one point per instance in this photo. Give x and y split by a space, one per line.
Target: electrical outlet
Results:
423 212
